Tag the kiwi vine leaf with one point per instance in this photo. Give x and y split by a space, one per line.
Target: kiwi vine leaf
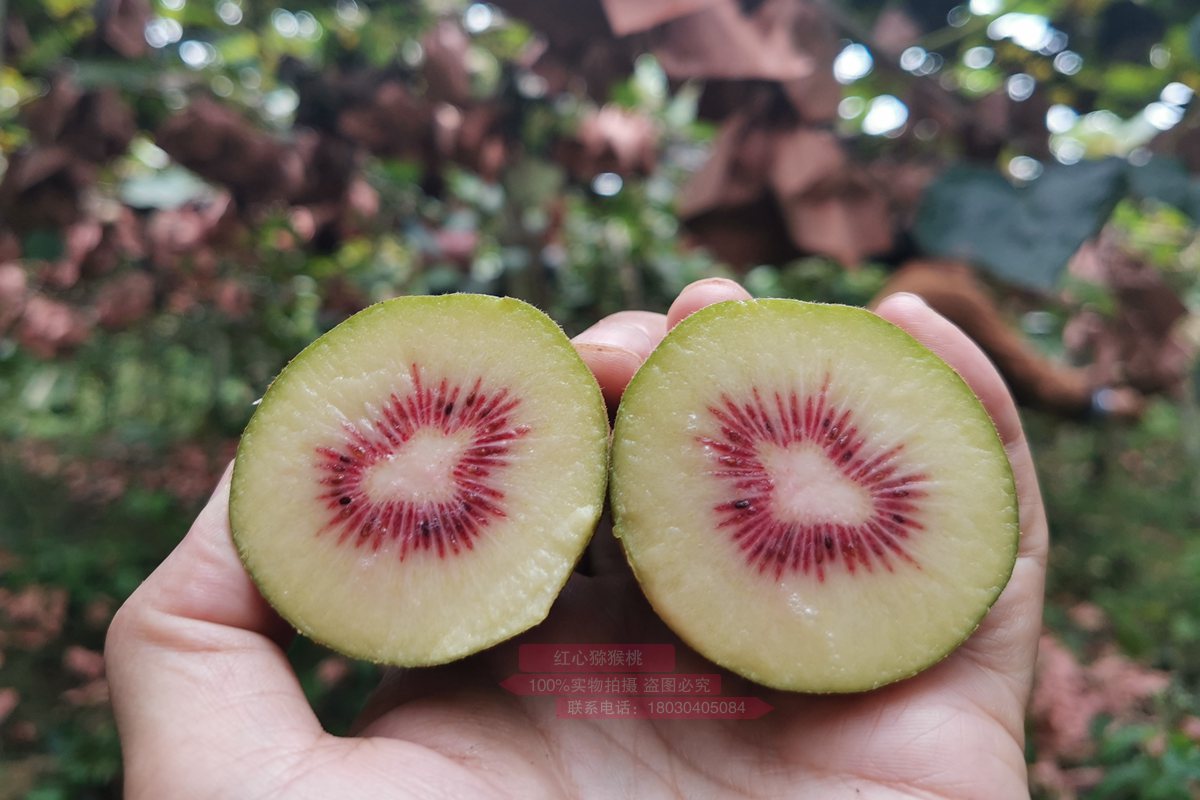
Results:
1024 235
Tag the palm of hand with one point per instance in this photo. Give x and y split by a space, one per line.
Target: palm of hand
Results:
208 705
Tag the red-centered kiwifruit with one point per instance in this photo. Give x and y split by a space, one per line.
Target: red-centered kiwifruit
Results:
809 497
419 482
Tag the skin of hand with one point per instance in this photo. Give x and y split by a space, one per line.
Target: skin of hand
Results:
209 707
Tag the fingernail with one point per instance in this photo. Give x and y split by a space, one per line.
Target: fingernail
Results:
909 297
617 335
722 282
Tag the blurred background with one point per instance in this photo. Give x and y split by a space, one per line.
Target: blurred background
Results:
192 190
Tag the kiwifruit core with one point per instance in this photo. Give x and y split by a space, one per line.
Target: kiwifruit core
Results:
424 472
805 489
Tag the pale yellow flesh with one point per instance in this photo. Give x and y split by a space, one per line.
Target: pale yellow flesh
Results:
422 609
847 632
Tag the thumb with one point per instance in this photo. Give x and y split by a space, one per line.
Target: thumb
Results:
196 666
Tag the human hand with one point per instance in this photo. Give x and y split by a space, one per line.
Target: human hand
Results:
208 705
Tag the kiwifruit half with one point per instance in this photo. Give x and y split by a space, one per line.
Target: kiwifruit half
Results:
419 482
809 497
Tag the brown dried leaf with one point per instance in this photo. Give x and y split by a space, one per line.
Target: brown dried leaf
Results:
124 300
95 126
744 235
806 28
9 700
47 115
100 127
41 188
719 42
1182 141
49 328
121 241
803 158
1068 695
894 31
83 663
735 173
14 289
176 235
233 298
635 16
1143 345
393 123
445 65
33 616
1088 617
1062 705
215 142
332 670
611 140
122 25
15 35
567 24
328 165
846 218
93 693
904 182
481 145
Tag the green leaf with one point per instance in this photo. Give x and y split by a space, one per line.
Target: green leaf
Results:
1023 236
1166 180
42 244
1194 36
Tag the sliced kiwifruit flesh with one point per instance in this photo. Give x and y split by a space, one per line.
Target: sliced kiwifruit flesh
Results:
419 482
809 497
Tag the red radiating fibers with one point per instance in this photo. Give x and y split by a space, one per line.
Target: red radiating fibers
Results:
446 526
811 548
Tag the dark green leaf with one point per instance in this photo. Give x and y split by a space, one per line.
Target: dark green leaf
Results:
1023 236
1166 180
43 245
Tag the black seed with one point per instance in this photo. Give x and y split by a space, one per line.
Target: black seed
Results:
897 518
742 504
470 399
825 423
344 459
344 500
846 455
828 542
425 527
